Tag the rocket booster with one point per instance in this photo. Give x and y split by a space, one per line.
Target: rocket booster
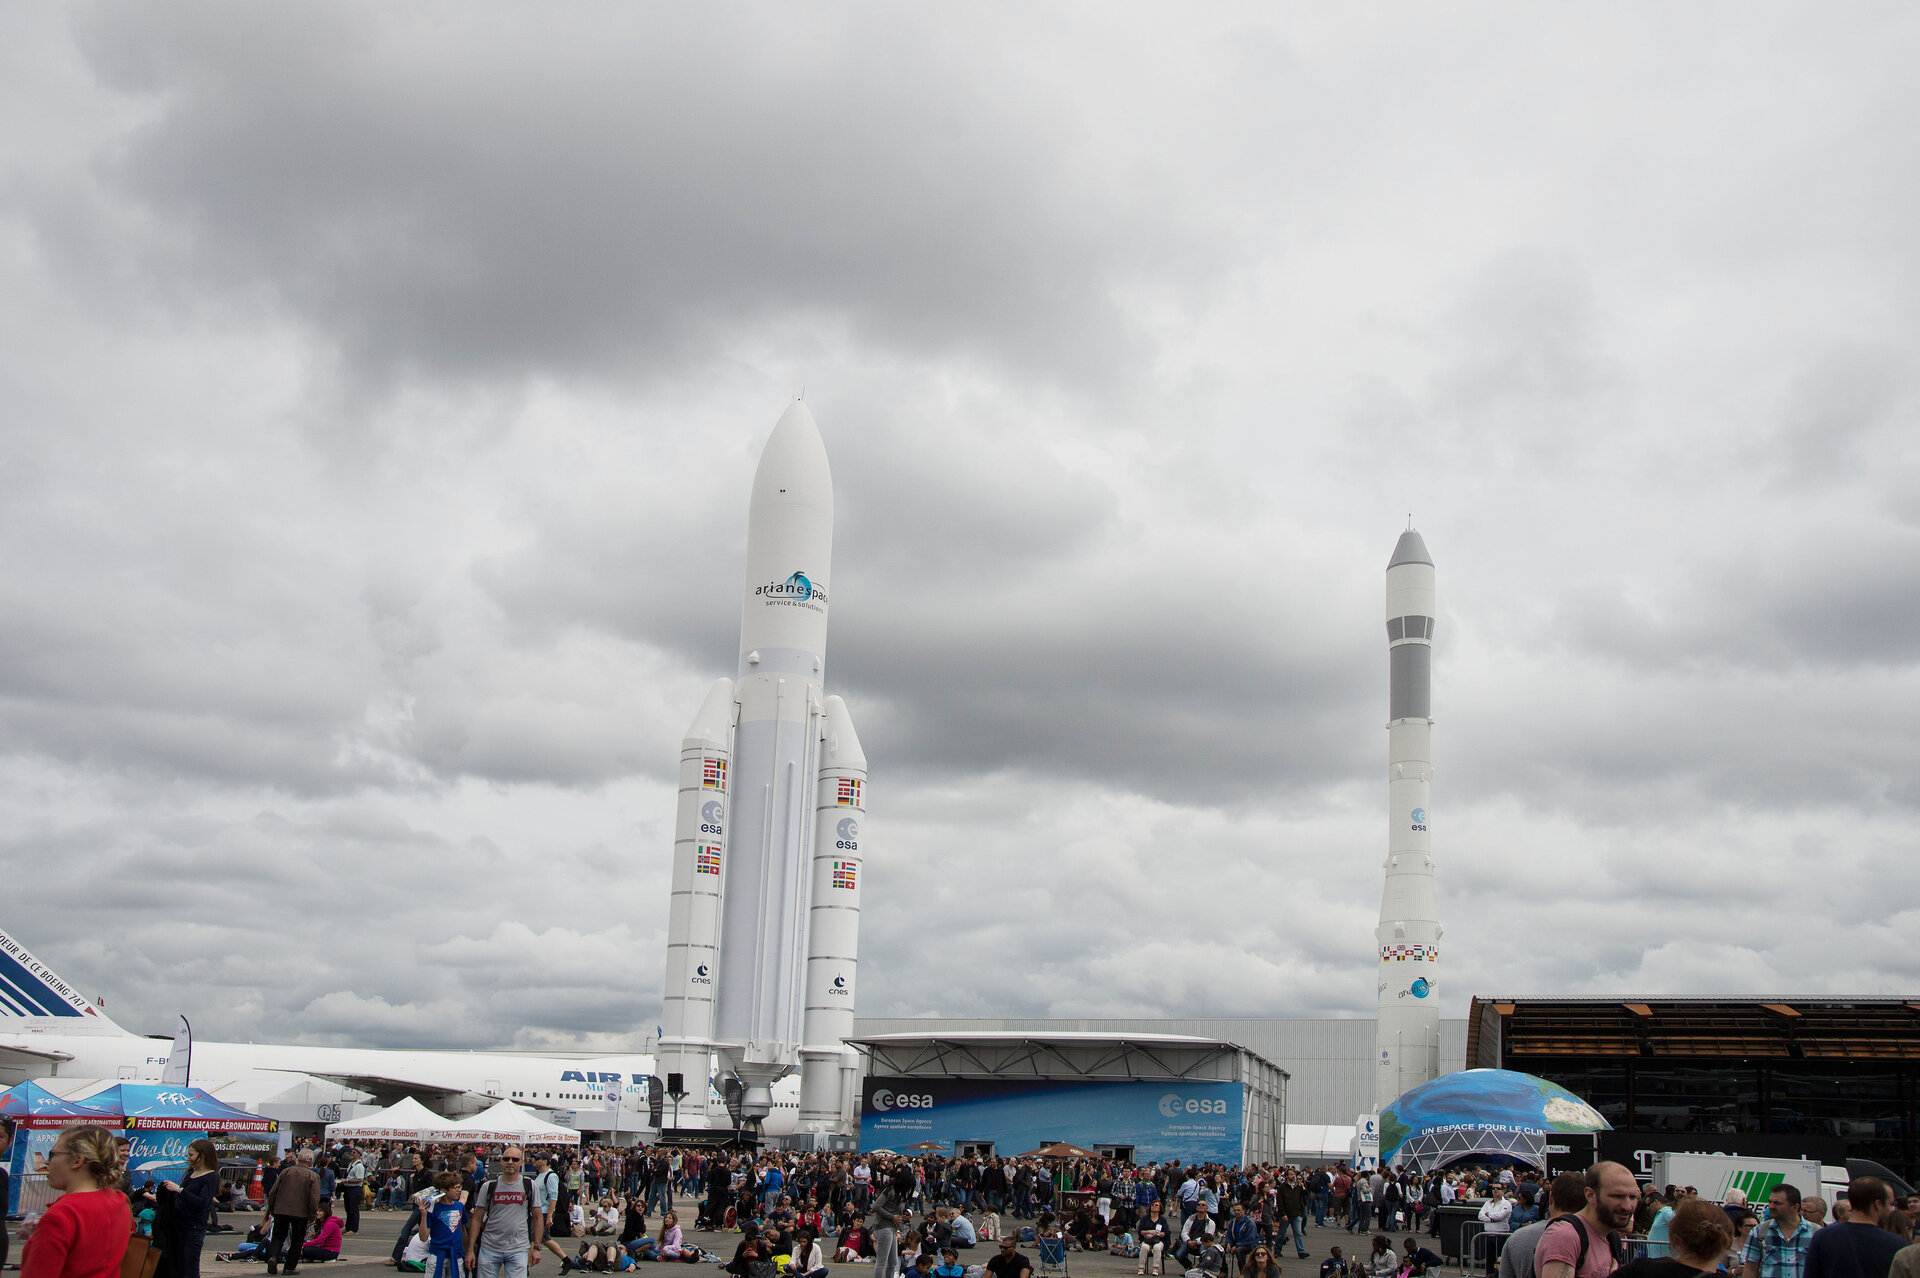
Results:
828 1067
745 937
1408 1036
693 910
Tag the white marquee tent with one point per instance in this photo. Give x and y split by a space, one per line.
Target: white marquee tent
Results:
408 1120
1311 1144
508 1121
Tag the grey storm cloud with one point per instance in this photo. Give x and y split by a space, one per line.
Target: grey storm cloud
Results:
383 391
484 195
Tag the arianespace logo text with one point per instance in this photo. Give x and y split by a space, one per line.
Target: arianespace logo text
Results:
884 1100
1173 1105
797 589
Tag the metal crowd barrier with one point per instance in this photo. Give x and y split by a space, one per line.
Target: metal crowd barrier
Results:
1471 1249
36 1195
1482 1257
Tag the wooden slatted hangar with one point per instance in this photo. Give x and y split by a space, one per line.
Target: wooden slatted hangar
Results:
1825 1077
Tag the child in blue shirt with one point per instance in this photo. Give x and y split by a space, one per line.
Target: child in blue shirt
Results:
443 1226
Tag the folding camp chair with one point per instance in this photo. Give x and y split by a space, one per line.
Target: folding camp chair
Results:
1053 1257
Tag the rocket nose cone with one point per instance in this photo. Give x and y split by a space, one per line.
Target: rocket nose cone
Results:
793 465
842 742
1410 549
711 724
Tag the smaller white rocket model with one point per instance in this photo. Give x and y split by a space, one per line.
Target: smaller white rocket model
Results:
764 921
1407 1040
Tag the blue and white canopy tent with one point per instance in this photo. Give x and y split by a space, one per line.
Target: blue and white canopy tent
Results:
1485 1115
39 1115
163 1120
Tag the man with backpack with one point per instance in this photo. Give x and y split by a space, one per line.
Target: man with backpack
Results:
547 1188
1565 1196
1589 1246
506 1225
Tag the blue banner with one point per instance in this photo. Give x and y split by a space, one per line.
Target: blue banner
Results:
1195 1122
155 1156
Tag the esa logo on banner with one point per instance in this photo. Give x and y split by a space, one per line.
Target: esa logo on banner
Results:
884 1100
1172 1105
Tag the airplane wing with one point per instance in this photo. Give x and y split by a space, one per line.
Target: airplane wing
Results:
15 1049
384 1089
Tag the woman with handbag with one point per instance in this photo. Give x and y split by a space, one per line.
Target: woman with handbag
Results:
85 1232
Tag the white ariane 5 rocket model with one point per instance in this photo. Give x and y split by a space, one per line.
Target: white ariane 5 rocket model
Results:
764 921
1408 1038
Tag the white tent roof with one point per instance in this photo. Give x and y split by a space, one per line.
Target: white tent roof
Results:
508 1121
408 1120
1317 1143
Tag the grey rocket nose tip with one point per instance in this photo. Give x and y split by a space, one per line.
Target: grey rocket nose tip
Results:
1410 550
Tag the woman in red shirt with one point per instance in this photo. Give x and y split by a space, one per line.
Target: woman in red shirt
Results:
84 1233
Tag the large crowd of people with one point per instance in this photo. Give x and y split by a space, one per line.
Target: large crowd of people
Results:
496 1212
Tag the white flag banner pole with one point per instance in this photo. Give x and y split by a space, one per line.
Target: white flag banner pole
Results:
179 1068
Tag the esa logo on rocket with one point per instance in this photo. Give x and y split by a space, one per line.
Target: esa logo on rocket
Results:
849 832
710 818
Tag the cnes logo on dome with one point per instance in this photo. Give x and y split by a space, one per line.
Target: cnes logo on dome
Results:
1173 1105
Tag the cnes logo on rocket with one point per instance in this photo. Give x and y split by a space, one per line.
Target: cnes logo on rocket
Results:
1172 1106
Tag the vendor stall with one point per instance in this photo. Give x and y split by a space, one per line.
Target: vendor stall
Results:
506 1121
408 1120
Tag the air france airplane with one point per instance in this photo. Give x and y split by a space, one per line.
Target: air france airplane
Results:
47 1027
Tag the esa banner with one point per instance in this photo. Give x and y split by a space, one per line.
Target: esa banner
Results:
1197 1122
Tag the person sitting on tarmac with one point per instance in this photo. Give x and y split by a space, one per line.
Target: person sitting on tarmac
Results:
604 1258
854 1244
668 1244
807 1260
746 1256
1419 1259
323 1242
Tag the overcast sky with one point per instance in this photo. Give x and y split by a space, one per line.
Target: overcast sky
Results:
380 390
